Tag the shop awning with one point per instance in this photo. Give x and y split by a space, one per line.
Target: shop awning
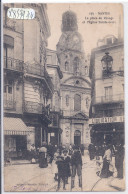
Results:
14 126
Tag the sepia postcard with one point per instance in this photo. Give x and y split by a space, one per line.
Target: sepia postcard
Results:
63 97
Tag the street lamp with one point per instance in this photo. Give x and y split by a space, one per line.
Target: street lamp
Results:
107 62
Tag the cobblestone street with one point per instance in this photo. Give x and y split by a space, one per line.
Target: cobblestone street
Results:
29 177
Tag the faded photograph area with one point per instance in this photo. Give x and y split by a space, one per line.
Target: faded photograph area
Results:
63 125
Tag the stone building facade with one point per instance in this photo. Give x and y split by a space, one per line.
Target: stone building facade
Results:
54 130
28 88
75 86
107 75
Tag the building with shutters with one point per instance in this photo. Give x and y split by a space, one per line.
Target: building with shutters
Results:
107 107
55 73
28 88
75 86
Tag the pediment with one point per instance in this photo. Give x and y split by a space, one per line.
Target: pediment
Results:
78 82
80 115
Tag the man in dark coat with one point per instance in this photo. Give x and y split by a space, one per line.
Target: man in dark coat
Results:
51 152
67 172
76 163
119 158
61 171
60 148
91 149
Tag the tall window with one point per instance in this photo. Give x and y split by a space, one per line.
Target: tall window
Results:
108 93
8 51
66 66
77 102
5 15
8 90
76 65
67 100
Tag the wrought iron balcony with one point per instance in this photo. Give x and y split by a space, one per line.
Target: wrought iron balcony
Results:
54 117
32 107
109 73
34 69
9 105
108 99
39 70
35 107
9 23
13 64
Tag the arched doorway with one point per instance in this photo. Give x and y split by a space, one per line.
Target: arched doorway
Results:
77 137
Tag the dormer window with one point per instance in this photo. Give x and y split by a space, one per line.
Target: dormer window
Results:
109 40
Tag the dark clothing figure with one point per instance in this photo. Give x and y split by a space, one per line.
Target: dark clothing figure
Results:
105 172
76 163
51 152
76 158
103 150
43 157
67 166
60 149
61 171
91 149
119 158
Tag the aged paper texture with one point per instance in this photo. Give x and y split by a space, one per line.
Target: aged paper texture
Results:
63 122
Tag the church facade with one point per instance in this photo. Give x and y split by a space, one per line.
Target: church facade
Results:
75 86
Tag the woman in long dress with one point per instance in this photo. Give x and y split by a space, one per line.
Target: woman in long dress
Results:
105 172
43 156
54 165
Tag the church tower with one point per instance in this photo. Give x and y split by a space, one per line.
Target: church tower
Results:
70 47
75 89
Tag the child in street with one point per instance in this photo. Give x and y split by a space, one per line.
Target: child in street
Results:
66 165
76 163
61 175
63 164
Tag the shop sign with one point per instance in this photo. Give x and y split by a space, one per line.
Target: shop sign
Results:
116 119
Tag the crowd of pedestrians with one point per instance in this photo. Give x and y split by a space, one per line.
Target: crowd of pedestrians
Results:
103 155
67 162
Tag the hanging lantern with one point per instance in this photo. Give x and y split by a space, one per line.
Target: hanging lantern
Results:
107 62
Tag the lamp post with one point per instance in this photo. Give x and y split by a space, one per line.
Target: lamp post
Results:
107 62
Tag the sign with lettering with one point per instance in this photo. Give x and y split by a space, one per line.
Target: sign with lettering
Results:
116 119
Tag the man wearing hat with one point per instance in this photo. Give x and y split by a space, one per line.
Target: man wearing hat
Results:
66 165
76 163
63 168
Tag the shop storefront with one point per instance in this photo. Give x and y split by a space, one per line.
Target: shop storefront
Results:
54 136
107 129
17 138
